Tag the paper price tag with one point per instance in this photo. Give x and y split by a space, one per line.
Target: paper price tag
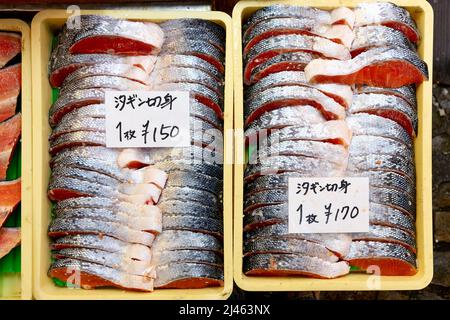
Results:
328 205
140 119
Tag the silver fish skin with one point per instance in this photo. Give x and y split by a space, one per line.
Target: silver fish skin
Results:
104 82
188 75
297 246
382 104
407 93
186 240
187 61
373 125
367 250
97 165
193 256
193 223
79 187
89 111
146 33
394 199
294 264
265 198
288 61
109 204
198 48
385 13
390 180
394 163
199 110
338 243
192 23
177 207
270 181
70 125
368 144
279 164
92 152
381 214
109 259
286 11
123 70
63 227
74 99
284 117
105 243
388 234
194 34
76 139
169 274
194 180
110 275
276 97
305 148
143 223
186 165
378 36
335 130
85 175
373 57
188 194
196 90
264 216
342 94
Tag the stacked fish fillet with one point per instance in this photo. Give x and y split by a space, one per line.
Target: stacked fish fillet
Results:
10 131
299 130
106 217
299 73
189 252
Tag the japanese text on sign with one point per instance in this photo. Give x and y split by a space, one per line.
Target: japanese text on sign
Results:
328 205
147 119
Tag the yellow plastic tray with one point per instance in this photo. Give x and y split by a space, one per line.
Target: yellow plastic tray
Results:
44 25
422 12
19 286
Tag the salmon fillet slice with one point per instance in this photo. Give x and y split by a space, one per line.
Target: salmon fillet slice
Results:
380 67
10 46
9 239
10 80
9 136
10 191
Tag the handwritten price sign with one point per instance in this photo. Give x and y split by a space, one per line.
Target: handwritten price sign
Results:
328 205
140 119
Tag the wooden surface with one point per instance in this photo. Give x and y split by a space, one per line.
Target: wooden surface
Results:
441 41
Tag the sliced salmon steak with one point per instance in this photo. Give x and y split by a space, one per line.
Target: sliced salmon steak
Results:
389 15
274 46
10 191
10 46
188 275
270 265
88 275
9 239
392 259
10 83
278 97
119 37
387 106
380 67
10 131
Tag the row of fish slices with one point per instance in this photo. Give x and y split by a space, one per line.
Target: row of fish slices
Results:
192 58
94 195
10 131
206 115
301 141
